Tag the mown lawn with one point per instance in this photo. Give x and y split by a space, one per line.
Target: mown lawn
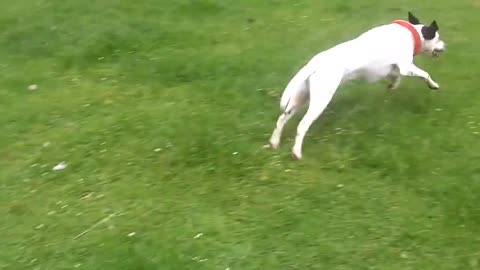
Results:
162 109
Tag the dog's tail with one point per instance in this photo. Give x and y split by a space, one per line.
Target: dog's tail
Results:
296 86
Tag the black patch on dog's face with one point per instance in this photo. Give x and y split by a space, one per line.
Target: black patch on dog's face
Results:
412 19
429 32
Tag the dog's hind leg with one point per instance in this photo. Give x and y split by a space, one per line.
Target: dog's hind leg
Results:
295 103
322 88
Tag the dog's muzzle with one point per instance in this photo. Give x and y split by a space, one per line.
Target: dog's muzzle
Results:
440 48
437 52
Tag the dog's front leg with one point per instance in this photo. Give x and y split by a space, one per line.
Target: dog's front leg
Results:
413 71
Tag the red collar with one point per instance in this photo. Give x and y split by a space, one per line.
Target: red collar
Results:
416 36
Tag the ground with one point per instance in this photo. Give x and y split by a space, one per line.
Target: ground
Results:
161 111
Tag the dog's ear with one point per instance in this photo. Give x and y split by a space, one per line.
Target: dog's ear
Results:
434 26
428 32
412 19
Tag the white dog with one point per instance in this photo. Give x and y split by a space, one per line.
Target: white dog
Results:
385 51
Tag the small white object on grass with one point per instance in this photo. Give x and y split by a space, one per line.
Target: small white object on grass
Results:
60 166
32 87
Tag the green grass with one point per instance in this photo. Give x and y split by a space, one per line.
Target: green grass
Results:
162 108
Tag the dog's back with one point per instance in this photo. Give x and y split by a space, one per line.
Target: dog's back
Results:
369 56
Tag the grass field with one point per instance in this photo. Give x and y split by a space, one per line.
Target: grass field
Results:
161 110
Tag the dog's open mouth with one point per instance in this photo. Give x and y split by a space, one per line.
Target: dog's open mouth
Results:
436 52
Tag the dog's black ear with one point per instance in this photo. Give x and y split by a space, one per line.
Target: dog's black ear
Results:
434 26
428 32
412 19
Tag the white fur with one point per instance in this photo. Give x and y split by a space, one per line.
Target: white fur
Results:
383 52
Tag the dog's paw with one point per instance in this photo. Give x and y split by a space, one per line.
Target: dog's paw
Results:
394 81
274 144
296 155
433 85
392 86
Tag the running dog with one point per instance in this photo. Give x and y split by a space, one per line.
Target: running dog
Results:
386 51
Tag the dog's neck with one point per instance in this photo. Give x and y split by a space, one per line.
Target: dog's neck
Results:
417 40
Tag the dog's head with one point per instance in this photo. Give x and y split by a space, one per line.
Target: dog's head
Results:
431 42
